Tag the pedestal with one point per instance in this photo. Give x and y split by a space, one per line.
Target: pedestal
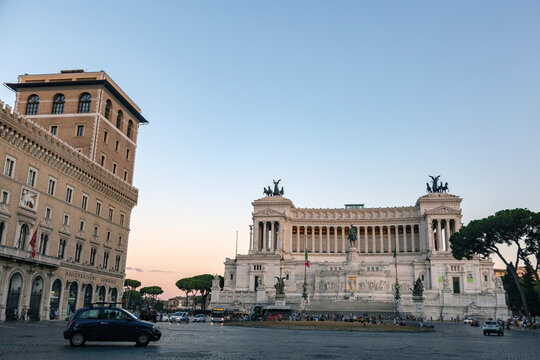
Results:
280 299
418 306
352 255
261 295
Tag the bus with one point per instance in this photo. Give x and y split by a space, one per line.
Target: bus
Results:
271 312
221 314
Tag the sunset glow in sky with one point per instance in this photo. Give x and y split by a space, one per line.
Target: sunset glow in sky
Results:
346 102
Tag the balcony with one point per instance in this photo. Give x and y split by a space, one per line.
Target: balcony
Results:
24 256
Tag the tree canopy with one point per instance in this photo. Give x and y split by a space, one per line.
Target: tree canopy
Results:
199 283
132 284
152 291
517 227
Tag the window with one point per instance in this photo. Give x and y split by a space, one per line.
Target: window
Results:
84 103
116 145
81 226
108 236
61 248
111 214
129 129
98 208
54 130
127 154
105 135
66 219
10 166
125 175
69 194
43 244
108 109
58 104
119 239
117 263
32 173
78 251
52 186
119 120
96 230
22 236
105 259
122 219
114 167
84 202
32 105
93 256
80 130
102 162
5 197
48 213
89 314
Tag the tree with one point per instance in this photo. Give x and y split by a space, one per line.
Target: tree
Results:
482 238
203 284
132 284
152 292
133 298
186 285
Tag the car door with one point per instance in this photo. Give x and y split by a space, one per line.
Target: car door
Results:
89 323
120 325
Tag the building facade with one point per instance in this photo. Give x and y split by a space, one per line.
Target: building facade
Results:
361 275
68 152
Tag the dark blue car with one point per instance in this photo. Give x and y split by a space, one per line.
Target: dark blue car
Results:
109 324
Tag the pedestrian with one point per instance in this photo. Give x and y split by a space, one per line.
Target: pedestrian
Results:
15 315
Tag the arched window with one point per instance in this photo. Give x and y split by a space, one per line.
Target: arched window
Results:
84 103
119 120
32 105
108 109
101 293
2 225
58 104
129 129
56 293
22 236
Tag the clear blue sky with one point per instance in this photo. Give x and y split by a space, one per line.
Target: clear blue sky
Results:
345 101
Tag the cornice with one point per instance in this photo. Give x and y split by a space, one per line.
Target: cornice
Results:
40 144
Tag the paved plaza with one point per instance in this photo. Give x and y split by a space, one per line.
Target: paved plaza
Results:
44 340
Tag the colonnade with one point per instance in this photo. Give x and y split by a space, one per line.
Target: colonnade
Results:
267 236
441 230
370 238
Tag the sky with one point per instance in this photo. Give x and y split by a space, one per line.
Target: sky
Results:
346 102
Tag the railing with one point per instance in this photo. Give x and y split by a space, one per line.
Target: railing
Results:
20 254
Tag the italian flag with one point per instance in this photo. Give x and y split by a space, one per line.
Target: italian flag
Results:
395 258
307 261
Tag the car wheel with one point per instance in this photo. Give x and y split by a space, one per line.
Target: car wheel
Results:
142 339
77 340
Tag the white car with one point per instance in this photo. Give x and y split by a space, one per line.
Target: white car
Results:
199 318
179 317
163 317
492 326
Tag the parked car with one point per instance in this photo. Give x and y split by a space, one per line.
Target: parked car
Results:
493 327
179 317
199 318
109 323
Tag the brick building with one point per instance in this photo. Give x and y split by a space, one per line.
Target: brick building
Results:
68 152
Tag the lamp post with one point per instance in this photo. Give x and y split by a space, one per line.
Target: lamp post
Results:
304 287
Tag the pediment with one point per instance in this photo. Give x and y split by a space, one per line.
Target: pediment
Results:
268 212
442 210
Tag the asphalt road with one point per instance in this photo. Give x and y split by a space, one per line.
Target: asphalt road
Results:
205 341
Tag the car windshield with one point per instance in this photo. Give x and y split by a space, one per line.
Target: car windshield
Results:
178 314
491 323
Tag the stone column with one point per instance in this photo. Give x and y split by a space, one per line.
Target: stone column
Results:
397 238
439 237
405 247
447 234
389 229
297 238
327 240
413 246
366 239
381 239
320 237
313 239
